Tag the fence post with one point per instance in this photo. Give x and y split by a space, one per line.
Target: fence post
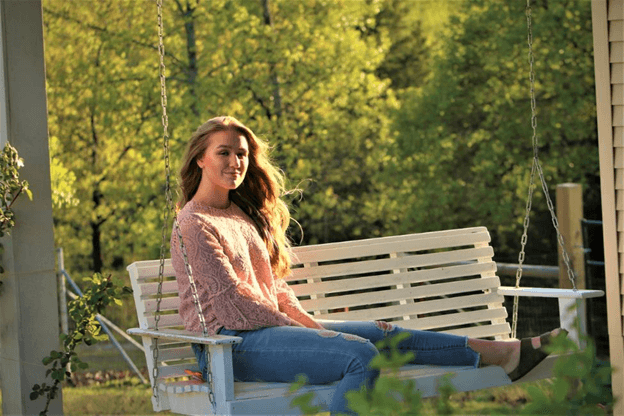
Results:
570 214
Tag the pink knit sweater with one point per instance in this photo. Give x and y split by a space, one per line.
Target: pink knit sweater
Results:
232 272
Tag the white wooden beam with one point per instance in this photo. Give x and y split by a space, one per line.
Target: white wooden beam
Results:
28 301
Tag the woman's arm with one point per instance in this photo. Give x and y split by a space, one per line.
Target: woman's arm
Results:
290 305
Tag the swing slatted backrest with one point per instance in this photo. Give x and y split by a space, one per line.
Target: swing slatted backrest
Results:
443 281
437 281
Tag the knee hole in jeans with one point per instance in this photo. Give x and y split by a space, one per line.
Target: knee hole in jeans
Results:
351 337
384 326
327 333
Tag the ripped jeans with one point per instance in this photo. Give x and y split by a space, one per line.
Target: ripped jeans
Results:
341 353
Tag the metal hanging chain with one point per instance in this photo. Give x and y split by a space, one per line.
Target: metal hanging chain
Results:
536 168
165 123
167 210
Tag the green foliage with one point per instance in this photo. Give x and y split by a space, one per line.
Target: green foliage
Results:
63 181
392 116
306 83
10 188
103 99
442 401
302 401
392 358
390 395
396 28
100 293
581 384
463 150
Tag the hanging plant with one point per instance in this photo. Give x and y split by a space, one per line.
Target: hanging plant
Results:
11 187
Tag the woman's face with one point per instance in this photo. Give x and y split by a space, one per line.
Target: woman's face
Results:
225 161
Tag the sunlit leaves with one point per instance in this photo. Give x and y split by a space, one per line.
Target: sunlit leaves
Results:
468 131
103 106
11 186
306 83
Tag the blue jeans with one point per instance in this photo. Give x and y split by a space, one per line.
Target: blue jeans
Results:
341 353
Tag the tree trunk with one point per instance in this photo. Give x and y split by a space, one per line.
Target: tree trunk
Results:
277 97
96 197
191 52
96 255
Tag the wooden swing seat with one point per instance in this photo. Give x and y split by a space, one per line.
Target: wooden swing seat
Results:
441 281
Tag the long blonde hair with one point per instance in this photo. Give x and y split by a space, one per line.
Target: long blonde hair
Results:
259 196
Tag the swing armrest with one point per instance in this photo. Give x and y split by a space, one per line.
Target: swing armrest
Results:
550 293
185 336
572 314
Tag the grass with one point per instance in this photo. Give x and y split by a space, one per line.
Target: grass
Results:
105 357
129 397
507 400
112 398
116 397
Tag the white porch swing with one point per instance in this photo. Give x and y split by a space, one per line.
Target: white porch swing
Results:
442 280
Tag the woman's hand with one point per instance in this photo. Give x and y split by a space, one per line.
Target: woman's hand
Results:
319 326
309 322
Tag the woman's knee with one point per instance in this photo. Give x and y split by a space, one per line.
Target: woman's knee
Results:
357 350
362 352
363 348
361 367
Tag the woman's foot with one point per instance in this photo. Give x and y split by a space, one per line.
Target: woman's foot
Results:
529 354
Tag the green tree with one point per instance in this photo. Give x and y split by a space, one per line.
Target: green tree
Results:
397 28
102 113
298 73
332 133
465 137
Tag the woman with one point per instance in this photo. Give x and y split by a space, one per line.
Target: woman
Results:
233 225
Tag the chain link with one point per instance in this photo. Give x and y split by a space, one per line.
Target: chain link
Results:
198 308
170 208
161 269
536 168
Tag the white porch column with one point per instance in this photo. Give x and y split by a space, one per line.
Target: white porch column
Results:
28 300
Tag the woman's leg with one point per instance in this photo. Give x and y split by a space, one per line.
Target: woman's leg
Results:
280 354
517 357
429 347
444 349
502 353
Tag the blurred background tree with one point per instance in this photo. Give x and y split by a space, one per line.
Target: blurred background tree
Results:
103 105
464 138
392 116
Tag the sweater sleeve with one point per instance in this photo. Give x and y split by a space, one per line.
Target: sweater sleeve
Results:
232 301
290 305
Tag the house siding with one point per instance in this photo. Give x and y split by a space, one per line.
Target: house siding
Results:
615 23
608 32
